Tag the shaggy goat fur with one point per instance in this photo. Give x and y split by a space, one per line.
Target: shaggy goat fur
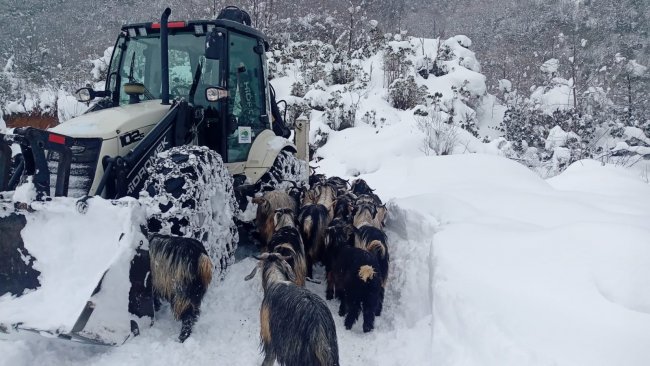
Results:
266 206
338 235
287 241
365 214
344 206
313 221
374 240
181 272
297 328
359 187
358 286
340 185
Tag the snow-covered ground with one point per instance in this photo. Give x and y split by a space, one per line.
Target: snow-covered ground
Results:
491 265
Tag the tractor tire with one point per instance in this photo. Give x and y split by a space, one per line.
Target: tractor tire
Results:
189 193
286 170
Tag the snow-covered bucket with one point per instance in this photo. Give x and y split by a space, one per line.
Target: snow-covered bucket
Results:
65 269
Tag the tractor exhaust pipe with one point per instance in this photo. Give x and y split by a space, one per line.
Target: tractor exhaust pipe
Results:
164 55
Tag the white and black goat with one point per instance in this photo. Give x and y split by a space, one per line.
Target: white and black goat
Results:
297 328
181 272
287 241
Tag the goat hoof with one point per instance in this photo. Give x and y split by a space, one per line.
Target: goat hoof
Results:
329 295
183 336
342 312
367 329
348 326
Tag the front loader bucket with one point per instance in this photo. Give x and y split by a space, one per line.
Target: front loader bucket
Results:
75 271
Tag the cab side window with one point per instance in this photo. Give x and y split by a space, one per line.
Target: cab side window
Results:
246 102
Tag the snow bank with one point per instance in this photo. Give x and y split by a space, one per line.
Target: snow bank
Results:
490 266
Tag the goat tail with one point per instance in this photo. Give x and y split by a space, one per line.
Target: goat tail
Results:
205 270
377 244
366 272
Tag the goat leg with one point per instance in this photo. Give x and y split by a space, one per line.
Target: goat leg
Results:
380 302
329 293
369 306
188 319
354 308
310 265
269 359
343 307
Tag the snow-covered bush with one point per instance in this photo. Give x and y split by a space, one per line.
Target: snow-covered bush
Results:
396 62
341 114
440 137
406 93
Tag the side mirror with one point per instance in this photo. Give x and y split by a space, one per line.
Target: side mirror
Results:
216 43
216 93
85 95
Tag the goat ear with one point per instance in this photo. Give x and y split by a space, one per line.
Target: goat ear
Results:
289 271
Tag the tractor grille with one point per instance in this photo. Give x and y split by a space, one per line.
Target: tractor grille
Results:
85 155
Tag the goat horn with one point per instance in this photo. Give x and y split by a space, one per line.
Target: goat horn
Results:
309 279
261 257
251 275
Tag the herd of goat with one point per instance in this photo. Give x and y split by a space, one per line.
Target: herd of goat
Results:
335 223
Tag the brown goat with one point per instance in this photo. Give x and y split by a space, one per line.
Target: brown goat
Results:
266 207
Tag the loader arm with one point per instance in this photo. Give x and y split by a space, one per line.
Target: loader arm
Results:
125 176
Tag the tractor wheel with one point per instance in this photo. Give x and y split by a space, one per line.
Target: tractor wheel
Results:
189 193
286 169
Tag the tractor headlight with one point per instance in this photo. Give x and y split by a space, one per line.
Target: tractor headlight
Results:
214 94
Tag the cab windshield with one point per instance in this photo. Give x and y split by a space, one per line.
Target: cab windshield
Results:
140 63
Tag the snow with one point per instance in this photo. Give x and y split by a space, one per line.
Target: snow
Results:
557 96
505 86
557 137
635 68
72 251
550 66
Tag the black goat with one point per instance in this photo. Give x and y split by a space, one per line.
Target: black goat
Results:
297 328
180 273
358 286
338 235
374 240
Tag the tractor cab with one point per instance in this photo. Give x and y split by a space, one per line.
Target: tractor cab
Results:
218 66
